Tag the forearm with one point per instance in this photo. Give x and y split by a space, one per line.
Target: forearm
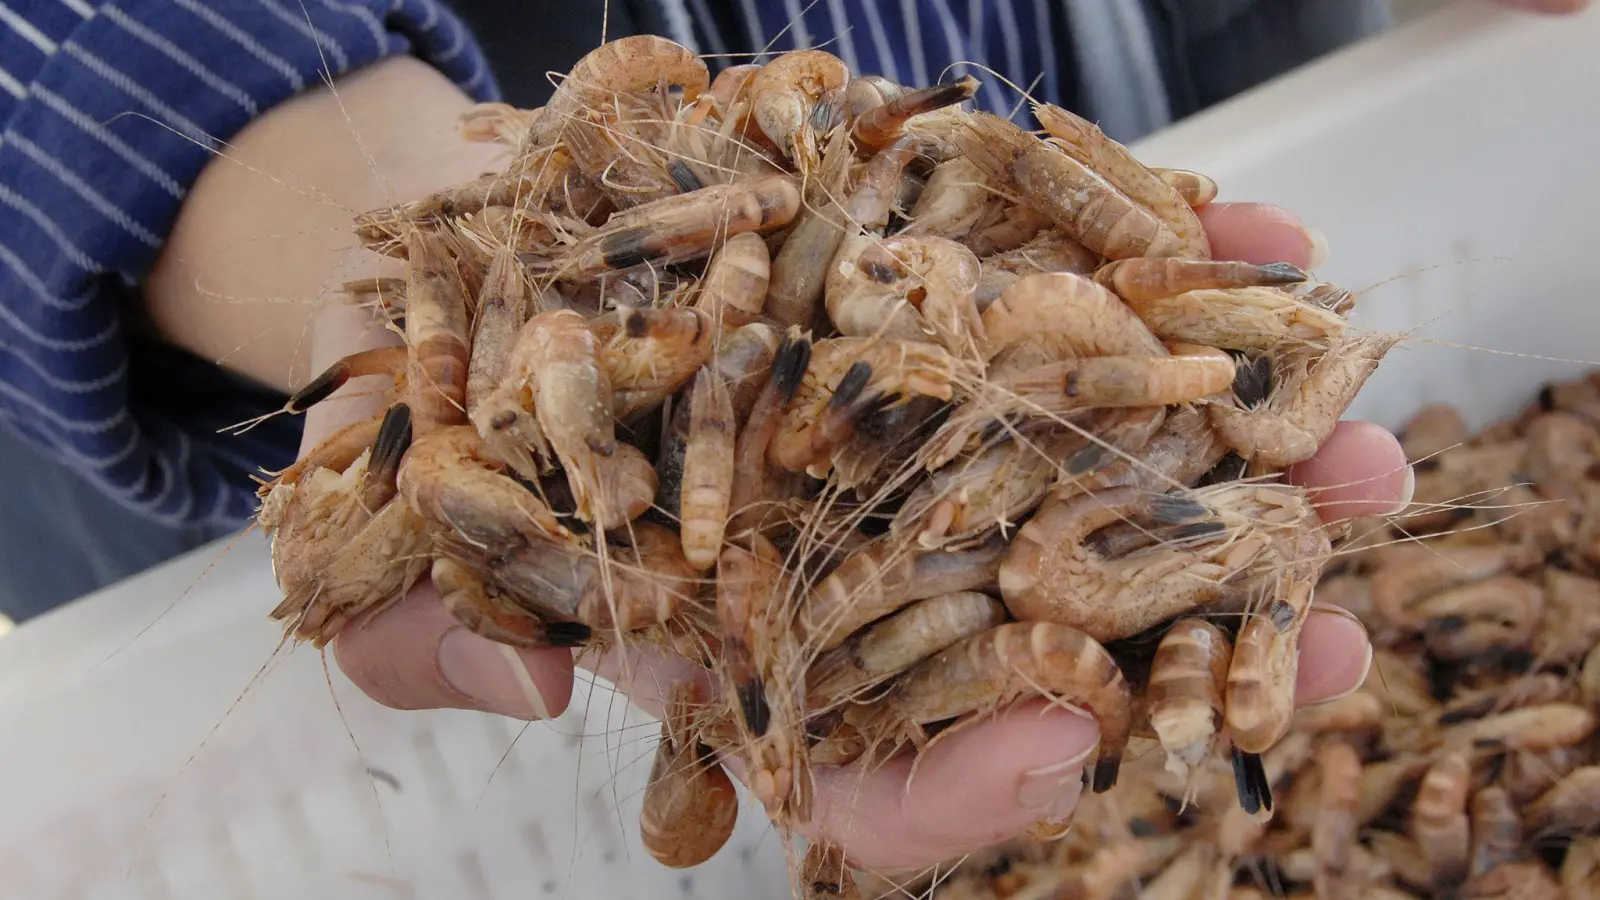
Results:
264 238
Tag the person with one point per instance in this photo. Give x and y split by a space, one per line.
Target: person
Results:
176 187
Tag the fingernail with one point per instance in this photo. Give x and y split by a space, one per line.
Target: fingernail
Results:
1408 491
1366 661
492 675
1051 793
1318 243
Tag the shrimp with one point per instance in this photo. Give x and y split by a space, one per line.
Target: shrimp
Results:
1246 318
634 64
1398 588
909 288
1334 832
882 577
1496 615
846 377
994 668
678 228
1086 143
690 805
1144 279
1187 679
825 874
800 267
1069 312
502 308
992 488
1496 831
1439 822
755 484
1261 677
1080 201
341 544
652 354
555 372
1051 251
1305 407
786 91
1569 805
1196 189
1053 572
707 470
898 642
881 124
742 363
734 291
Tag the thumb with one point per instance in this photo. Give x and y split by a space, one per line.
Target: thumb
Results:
974 787
415 655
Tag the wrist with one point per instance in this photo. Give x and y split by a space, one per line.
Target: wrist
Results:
250 273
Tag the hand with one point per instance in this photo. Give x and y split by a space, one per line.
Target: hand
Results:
972 789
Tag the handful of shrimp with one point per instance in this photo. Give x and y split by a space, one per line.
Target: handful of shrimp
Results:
886 413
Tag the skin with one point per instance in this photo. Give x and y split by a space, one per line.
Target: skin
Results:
294 243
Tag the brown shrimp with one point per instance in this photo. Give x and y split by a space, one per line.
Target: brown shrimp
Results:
1145 278
1534 728
1398 588
633 64
1439 822
502 308
1580 869
652 354
1516 881
1086 143
881 124
1080 201
690 805
1334 831
556 372
1496 831
882 577
994 668
846 377
734 291
742 362
1196 189
909 288
785 92
1261 678
1247 318
757 483
800 267
1497 615
341 543
678 228
1570 805
1051 251
1306 404
1187 678
707 470
1053 571
898 642
1070 312
825 874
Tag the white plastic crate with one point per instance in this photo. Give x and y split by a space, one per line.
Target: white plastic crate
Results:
1458 142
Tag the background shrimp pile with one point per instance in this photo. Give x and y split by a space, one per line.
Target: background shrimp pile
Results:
885 413
1466 765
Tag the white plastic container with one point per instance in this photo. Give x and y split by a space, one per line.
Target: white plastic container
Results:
1411 150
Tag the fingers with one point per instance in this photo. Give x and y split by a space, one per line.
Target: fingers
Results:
1334 656
1262 233
1360 471
972 788
415 655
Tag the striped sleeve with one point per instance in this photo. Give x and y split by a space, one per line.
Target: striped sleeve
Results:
110 111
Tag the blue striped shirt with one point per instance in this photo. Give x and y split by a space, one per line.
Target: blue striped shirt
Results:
88 195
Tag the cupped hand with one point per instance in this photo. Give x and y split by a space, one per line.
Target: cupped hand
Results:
981 785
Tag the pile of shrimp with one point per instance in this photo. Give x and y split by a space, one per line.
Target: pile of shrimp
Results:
1466 765
884 412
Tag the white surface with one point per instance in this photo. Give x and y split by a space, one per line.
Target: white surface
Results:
1407 151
